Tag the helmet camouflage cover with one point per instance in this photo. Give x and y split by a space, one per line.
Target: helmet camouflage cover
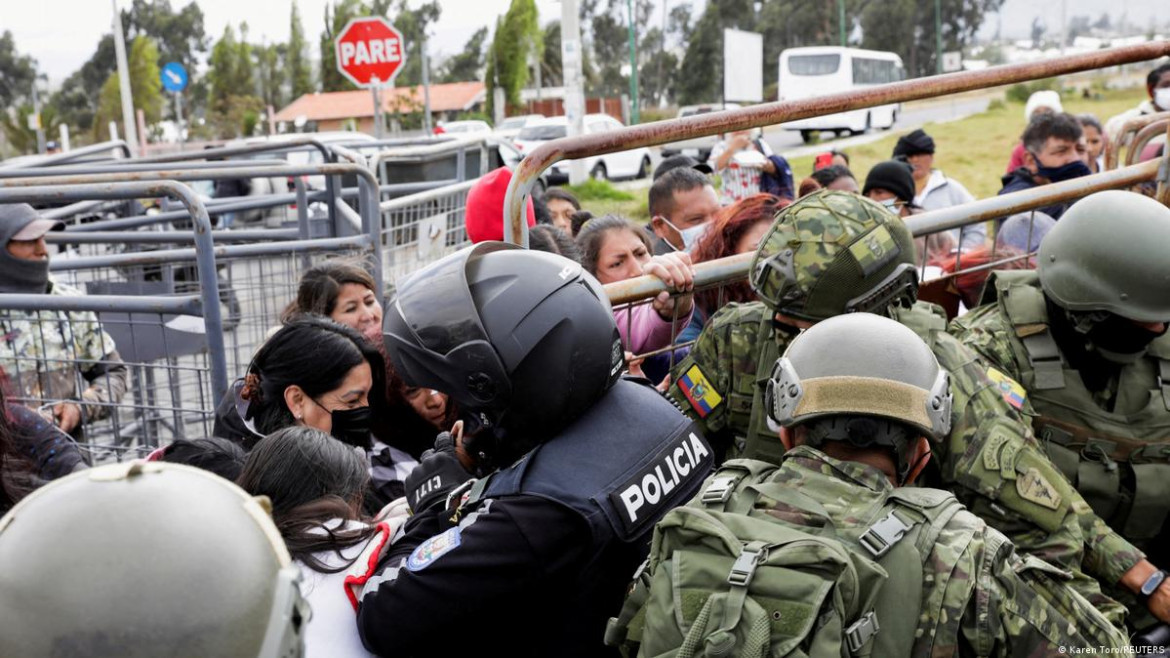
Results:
831 253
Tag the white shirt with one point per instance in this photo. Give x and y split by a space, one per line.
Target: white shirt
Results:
332 631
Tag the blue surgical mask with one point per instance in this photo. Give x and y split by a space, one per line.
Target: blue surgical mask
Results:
1074 169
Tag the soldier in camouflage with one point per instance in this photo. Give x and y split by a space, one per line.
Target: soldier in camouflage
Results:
1085 338
861 403
833 253
61 360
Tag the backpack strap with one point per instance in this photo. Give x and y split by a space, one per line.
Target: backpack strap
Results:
728 480
1023 304
625 630
1160 350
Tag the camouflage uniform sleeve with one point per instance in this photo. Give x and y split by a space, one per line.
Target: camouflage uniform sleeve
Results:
993 463
1106 555
724 351
1021 606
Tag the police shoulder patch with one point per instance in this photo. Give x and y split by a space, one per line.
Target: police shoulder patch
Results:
1010 389
699 391
1034 487
432 549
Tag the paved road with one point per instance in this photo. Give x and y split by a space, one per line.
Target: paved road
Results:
788 142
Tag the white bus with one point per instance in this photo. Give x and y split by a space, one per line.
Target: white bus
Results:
823 70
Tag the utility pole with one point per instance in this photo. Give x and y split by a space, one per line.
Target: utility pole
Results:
841 21
1063 25
37 112
634 116
426 83
574 81
128 124
938 58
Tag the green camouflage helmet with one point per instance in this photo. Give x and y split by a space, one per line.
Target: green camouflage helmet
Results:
147 559
1108 253
831 253
861 364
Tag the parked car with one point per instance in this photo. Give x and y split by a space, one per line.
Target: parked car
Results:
700 147
263 186
634 163
509 128
469 127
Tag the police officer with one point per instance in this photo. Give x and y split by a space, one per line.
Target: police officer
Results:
833 253
861 401
147 559
1084 337
580 463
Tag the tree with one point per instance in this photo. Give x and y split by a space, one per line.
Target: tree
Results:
336 16
466 65
17 72
233 107
701 75
297 61
551 68
412 23
145 88
16 131
268 73
517 35
907 27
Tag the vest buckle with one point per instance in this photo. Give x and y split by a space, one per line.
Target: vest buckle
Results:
883 535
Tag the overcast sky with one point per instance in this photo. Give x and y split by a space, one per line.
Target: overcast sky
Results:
62 34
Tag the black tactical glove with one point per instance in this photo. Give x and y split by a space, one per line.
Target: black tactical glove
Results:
437 475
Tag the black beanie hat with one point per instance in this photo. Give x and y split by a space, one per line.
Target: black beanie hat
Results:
915 143
892 175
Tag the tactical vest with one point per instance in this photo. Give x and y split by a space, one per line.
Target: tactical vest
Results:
780 586
1120 462
625 463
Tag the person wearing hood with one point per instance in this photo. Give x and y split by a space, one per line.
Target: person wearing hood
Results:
43 353
935 190
1158 88
1055 151
1045 101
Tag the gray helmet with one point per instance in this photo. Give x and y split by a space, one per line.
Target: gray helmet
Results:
146 559
860 364
1108 253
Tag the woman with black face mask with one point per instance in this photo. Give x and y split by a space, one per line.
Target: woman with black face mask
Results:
316 373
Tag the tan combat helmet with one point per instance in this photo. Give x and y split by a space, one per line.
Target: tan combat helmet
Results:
146 559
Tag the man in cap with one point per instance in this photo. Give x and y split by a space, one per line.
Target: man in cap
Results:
61 360
1084 337
933 189
833 253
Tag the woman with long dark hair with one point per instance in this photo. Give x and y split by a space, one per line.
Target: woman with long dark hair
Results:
316 484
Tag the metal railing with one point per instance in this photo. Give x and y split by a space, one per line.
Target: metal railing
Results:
734 269
1126 136
664 132
420 228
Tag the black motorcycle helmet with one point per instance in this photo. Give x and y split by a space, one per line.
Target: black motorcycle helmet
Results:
522 341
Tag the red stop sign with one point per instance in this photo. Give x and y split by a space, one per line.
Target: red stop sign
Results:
369 51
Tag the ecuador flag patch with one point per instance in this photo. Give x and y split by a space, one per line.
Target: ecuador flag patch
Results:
699 391
1010 389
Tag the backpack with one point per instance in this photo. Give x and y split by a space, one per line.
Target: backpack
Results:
726 577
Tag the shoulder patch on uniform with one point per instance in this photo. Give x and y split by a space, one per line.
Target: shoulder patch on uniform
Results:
874 250
991 450
432 549
1010 389
1034 487
699 392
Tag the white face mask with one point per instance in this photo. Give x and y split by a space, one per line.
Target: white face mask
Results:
1162 98
690 236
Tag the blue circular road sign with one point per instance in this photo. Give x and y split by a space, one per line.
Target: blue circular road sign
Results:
174 77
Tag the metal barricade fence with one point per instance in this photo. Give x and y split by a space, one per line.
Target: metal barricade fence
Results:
423 227
946 285
545 155
135 369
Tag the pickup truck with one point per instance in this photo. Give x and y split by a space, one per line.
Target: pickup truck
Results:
700 147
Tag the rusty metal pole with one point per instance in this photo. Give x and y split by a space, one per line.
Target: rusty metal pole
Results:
1113 149
934 221
1143 137
664 132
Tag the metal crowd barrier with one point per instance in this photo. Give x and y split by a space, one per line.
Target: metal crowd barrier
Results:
423 227
664 132
1136 133
721 273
